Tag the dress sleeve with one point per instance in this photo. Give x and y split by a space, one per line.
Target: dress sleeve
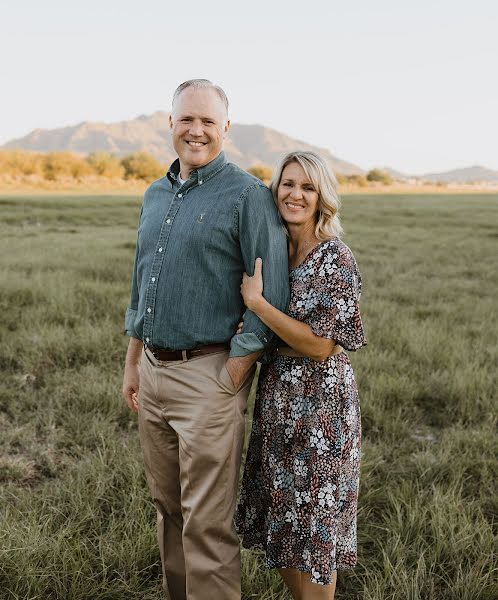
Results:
337 290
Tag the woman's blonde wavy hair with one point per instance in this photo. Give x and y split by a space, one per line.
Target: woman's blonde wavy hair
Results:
328 224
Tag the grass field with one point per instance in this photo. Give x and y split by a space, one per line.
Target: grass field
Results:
76 521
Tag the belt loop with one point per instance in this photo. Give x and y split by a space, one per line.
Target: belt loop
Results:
184 355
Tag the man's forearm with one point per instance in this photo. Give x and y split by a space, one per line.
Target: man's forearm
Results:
238 366
134 351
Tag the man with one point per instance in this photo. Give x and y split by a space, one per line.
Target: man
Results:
187 374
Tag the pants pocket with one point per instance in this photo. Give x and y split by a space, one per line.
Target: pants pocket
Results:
225 380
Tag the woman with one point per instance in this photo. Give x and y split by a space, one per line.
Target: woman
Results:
300 486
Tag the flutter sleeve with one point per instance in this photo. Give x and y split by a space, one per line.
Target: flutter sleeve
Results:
336 291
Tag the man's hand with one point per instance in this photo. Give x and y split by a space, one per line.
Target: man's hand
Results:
238 367
131 377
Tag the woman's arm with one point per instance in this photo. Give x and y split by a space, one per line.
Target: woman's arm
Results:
296 334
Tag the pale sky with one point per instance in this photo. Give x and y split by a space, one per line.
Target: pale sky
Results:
412 84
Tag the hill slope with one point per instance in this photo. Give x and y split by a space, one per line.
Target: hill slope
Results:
247 144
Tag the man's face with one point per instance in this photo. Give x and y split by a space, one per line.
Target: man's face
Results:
199 125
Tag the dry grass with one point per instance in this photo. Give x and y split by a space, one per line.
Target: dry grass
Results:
76 521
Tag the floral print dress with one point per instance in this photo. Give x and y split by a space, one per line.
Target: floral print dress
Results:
300 486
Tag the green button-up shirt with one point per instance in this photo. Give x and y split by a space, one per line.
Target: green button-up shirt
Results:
195 240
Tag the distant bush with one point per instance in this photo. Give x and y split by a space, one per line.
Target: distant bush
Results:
263 172
359 180
380 176
54 166
20 162
57 165
141 165
341 179
106 165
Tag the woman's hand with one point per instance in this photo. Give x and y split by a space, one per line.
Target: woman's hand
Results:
240 328
252 287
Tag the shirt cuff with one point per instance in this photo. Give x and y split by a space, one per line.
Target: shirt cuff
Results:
244 344
130 318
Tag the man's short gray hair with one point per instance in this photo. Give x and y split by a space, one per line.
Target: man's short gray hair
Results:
201 83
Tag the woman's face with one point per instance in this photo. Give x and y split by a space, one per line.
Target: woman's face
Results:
297 199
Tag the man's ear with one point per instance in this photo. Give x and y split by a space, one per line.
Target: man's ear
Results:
226 128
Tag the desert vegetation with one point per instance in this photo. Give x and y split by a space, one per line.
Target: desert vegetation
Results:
25 166
76 521
59 166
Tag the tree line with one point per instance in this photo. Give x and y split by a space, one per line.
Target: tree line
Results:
56 166
264 172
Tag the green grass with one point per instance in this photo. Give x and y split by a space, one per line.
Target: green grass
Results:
76 521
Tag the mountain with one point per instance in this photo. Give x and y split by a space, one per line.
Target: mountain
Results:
245 146
475 174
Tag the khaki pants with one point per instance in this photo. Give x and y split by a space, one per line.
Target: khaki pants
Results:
191 425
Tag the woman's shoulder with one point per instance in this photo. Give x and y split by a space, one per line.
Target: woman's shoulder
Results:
337 252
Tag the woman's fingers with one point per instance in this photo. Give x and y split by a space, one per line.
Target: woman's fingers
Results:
258 267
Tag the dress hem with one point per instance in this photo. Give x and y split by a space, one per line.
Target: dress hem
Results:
276 565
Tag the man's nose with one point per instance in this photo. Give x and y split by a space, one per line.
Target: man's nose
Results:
196 129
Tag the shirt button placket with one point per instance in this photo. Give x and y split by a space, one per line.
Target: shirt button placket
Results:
156 267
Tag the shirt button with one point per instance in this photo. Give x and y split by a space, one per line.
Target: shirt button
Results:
180 195
150 310
200 182
160 249
147 340
168 221
153 279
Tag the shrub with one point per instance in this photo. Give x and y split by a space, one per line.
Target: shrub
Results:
105 164
263 172
57 165
380 176
141 165
359 180
20 162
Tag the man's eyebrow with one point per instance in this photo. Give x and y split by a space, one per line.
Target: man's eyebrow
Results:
194 116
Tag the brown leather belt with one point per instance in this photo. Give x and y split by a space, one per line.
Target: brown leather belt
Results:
164 354
288 351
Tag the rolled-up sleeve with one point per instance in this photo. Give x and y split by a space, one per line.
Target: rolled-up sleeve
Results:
131 311
261 234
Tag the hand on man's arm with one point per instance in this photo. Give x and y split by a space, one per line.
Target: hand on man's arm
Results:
131 377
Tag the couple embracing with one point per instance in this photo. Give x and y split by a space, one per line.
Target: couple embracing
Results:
216 245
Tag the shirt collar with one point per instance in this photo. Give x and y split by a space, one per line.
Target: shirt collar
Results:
200 174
